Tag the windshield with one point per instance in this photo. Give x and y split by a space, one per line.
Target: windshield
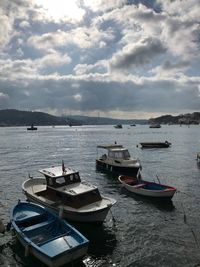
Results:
119 154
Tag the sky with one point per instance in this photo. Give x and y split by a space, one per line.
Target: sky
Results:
112 58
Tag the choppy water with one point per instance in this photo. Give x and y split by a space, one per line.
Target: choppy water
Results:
143 232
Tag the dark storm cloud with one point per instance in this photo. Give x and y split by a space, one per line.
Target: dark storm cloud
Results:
97 95
137 54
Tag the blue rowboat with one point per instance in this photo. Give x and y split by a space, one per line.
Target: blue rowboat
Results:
50 239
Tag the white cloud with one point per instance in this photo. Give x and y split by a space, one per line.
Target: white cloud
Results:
3 96
48 40
27 68
78 97
99 67
52 59
5 30
104 5
24 24
60 10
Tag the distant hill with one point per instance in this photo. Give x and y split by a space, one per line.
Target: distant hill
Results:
86 120
13 117
193 118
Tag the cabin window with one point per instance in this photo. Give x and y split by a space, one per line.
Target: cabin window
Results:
118 155
50 181
76 176
126 154
111 154
60 181
71 177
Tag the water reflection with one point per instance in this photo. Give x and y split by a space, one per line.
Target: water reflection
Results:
102 238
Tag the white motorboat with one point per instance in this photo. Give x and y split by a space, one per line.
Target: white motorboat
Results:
63 192
117 160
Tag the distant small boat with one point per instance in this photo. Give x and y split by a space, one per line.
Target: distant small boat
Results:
155 144
133 125
118 126
155 126
145 188
32 128
50 239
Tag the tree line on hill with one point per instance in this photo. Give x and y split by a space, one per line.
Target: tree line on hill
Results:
13 117
193 118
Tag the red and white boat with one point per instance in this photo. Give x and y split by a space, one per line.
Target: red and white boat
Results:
146 188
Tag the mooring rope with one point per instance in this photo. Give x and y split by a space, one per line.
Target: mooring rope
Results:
192 231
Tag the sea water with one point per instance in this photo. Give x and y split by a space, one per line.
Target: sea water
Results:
137 231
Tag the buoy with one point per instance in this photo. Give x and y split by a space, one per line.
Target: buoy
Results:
2 227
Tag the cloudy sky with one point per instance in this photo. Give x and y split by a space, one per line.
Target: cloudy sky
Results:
114 58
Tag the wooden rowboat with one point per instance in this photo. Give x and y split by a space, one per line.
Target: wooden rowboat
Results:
145 188
50 239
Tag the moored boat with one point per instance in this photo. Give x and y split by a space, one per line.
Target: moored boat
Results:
146 188
155 144
50 239
155 126
32 128
117 160
63 192
118 126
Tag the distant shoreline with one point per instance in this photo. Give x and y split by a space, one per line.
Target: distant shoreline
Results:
17 118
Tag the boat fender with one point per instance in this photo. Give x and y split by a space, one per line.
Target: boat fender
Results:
61 212
27 250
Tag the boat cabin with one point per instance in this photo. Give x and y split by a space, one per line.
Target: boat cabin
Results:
115 152
66 187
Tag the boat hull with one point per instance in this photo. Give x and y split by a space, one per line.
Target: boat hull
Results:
87 217
64 259
149 189
95 214
110 168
